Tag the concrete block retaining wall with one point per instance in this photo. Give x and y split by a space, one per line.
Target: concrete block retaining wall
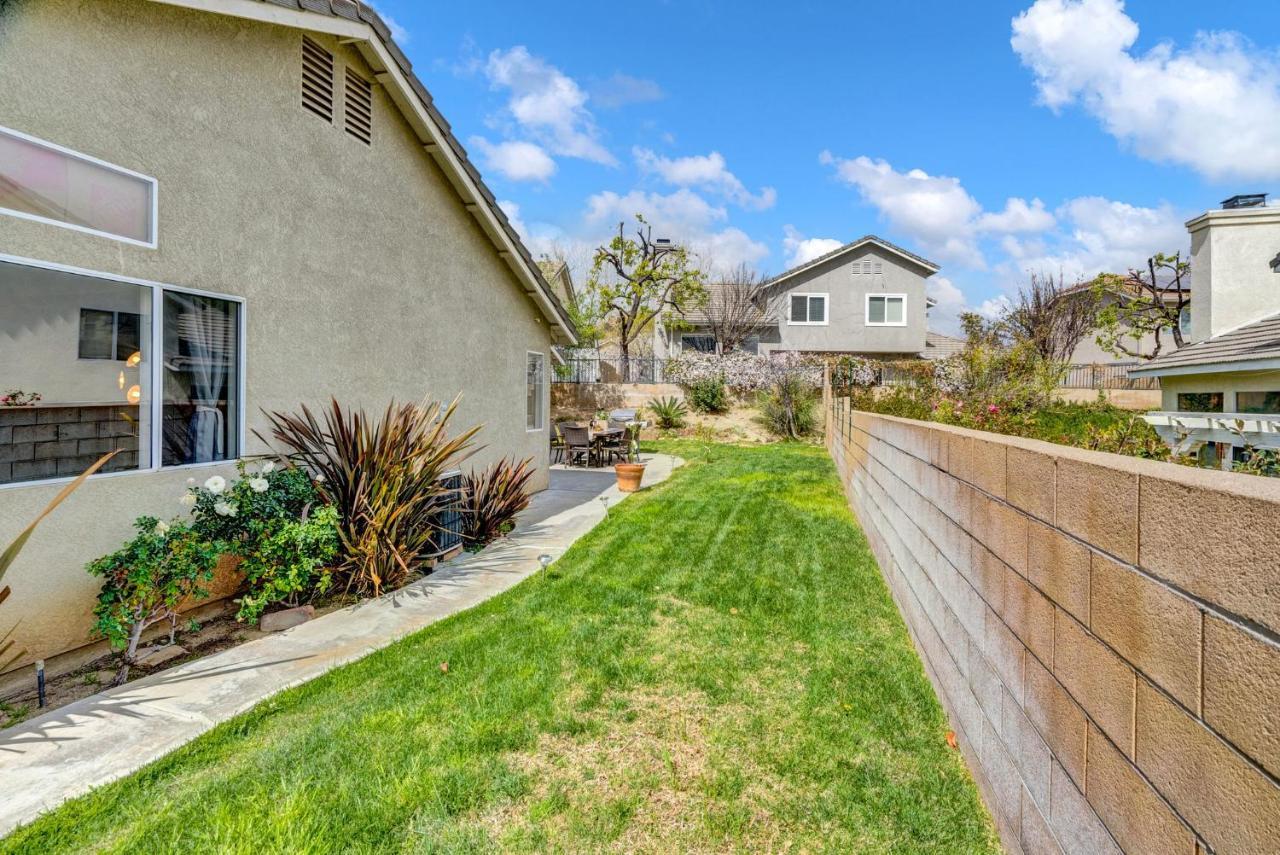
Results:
1103 631
56 441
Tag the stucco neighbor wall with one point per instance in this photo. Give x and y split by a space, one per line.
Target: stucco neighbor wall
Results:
364 276
1104 632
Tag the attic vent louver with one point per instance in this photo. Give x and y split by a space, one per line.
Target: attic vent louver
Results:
317 79
358 111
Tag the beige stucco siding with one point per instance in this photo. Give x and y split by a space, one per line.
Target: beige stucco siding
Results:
1228 383
364 276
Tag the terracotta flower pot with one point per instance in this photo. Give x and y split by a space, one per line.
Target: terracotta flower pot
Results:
629 475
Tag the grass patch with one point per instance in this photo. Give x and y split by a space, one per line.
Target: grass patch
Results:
716 667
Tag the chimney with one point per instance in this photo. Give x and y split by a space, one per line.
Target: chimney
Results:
1234 280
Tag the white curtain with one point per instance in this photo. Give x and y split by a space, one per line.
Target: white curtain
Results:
210 336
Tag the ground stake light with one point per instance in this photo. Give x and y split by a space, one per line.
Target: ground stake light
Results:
545 561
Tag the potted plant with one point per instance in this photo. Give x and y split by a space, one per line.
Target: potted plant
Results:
630 473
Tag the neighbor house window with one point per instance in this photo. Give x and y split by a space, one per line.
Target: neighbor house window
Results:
105 334
535 391
1200 402
1184 322
700 343
886 310
47 183
149 372
808 309
1258 402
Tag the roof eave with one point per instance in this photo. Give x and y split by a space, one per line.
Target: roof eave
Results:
1209 367
357 24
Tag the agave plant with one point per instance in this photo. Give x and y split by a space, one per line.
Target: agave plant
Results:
8 654
383 476
492 498
668 412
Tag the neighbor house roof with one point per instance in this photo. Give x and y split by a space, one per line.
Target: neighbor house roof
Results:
865 240
1239 349
716 296
940 346
357 24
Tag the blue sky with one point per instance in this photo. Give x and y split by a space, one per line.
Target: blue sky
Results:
992 137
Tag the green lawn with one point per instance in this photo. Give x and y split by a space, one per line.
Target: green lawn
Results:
716 667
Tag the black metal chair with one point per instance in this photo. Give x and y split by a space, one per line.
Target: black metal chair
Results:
577 444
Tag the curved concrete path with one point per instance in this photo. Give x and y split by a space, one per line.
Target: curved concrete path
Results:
65 753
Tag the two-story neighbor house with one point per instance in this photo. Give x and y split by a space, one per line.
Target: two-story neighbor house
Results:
866 298
212 208
1221 392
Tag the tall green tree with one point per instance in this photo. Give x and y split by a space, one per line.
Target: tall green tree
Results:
633 280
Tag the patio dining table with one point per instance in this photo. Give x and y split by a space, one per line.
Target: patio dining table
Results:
600 437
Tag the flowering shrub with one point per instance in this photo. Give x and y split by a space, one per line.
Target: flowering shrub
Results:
854 371
146 579
19 398
274 520
742 371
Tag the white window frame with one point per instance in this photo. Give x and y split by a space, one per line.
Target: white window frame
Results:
886 323
152 238
826 308
157 368
542 405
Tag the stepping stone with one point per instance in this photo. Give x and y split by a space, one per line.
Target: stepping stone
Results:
160 655
278 621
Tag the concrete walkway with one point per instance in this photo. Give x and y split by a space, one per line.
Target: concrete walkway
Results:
67 752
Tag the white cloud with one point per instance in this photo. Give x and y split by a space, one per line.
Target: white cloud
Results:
683 216
1214 106
800 249
547 104
950 303
706 171
516 159
935 210
1098 235
622 89
1018 216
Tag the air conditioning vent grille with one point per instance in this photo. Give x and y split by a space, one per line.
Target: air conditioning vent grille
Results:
317 79
358 113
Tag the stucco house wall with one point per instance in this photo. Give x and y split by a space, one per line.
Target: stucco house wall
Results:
846 330
1232 280
364 275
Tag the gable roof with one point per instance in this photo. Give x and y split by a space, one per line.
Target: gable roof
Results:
1234 350
356 24
939 345
865 240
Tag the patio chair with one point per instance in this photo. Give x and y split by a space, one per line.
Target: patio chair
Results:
577 444
557 442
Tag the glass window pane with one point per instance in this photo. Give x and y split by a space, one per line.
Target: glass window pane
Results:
535 391
128 326
86 407
894 310
201 379
1200 402
1258 402
875 310
41 181
817 309
96 330
799 309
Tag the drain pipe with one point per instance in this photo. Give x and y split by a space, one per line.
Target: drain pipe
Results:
40 681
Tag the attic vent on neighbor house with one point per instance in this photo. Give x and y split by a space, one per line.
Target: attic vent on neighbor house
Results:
358 112
317 79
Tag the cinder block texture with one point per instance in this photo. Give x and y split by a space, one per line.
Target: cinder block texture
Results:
1113 669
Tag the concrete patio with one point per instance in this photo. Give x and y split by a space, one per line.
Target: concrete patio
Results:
55 757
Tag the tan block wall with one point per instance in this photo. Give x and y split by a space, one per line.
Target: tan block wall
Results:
1103 631
578 398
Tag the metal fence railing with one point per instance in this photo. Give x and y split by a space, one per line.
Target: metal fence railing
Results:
637 369
1113 375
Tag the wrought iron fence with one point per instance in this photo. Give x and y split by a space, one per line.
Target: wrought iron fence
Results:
637 369
1114 375
448 536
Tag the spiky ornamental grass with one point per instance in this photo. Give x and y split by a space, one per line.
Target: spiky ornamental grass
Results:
491 499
